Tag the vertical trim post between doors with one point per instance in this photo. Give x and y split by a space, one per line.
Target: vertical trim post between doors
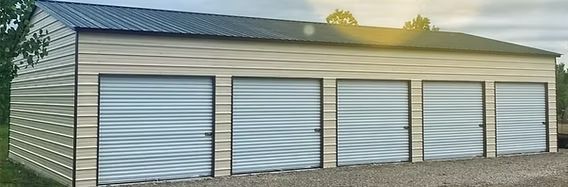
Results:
546 117
423 119
322 121
232 122
213 124
409 105
336 122
484 113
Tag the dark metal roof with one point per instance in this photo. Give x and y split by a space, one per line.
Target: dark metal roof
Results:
81 17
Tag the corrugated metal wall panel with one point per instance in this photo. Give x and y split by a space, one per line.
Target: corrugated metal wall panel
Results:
155 128
521 118
41 110
372 122
453 113
138 54
276 124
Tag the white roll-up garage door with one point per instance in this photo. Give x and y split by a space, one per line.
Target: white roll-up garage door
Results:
521 118
154 128
453 120
372 121
276 124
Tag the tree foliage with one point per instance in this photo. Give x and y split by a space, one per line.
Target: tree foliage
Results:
341 17
561 91
420 23
17 41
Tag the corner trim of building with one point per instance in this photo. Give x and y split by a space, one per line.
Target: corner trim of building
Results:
76 89
98 127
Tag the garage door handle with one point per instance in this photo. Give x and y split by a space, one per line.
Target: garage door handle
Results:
544 123
480 125
208 134
406 127
318 130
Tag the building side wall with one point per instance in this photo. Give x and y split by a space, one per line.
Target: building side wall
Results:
42 105
113 53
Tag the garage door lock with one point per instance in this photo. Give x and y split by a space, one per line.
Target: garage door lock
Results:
544 123
208 134
318 130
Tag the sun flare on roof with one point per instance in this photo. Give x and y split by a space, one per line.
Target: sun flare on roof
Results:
393 13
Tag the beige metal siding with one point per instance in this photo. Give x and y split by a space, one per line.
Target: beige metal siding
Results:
552 122
42 112
169 55
223 113
146 54
329 123
87 122
562 128
416 124
490 141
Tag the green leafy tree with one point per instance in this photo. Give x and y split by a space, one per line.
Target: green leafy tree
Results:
341 17
420 23
561 91
17 41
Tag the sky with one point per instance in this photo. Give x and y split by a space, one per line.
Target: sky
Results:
536 23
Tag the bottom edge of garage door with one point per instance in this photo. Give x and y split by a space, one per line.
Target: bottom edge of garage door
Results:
245 172
149 180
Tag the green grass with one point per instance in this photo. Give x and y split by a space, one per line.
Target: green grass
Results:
12 174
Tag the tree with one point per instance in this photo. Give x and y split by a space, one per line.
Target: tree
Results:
420 23
561 91
341 17
17 41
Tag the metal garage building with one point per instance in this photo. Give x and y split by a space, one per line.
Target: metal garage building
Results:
131 95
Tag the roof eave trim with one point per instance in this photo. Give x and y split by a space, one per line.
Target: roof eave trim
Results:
203 36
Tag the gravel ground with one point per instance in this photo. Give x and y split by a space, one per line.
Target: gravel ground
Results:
549 169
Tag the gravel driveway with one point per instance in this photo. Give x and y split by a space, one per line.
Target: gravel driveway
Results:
550 169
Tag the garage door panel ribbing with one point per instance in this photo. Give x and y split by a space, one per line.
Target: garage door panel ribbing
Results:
521 117
453 113
372 120
276 124
154 128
